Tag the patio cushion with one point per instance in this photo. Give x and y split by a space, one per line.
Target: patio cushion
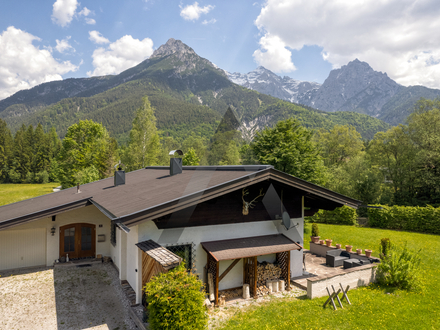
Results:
350 263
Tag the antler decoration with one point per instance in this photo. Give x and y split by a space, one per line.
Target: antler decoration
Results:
247 205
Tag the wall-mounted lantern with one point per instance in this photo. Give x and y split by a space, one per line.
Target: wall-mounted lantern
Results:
52 230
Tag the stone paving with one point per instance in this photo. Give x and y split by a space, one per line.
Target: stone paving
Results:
315 266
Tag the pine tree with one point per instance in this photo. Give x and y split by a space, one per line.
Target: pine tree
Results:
5 150
144 145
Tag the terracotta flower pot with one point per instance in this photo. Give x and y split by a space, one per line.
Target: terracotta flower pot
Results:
348 248
328 242
338 246
368 253
322 242
314 239
359 251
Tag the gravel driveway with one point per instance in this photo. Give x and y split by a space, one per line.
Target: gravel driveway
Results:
64 298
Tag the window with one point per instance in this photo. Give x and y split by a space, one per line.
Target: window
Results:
186 252
113 233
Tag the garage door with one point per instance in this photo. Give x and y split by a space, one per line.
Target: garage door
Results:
22 248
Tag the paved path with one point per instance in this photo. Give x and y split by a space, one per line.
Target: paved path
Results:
64 298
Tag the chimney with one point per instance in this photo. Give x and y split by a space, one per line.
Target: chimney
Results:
119 174
175 163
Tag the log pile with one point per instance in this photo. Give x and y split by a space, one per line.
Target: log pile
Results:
231 294
266 272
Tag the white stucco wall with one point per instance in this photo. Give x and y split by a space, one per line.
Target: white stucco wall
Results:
196 235
89 214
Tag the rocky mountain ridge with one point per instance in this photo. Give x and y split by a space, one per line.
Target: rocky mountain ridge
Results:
353 87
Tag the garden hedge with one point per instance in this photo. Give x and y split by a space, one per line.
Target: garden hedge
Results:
408 218
342 216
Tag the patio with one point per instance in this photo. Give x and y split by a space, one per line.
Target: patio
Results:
318 276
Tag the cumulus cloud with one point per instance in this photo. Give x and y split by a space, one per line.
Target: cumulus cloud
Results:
194 11
98 38
63 11
211 21
120 55
399 37
63 45
86 12
24 65
275 56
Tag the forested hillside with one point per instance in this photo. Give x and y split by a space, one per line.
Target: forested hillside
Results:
188 92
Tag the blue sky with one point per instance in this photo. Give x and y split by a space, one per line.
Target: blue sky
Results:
48 40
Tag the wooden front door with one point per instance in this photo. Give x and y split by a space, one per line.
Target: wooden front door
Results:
78 240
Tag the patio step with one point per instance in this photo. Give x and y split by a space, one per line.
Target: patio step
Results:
129 292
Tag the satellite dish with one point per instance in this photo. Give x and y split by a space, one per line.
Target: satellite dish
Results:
286 220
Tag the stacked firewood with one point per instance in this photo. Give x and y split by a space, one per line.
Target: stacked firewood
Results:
231 294
267 272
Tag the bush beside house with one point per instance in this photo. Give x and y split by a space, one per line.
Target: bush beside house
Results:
175 301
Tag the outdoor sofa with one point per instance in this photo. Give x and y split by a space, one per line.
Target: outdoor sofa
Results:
335 258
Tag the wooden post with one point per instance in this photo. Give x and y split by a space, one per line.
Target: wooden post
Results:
244 271
255 277
288 271
216 283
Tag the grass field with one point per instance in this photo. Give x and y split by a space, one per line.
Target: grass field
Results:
372 307
11 193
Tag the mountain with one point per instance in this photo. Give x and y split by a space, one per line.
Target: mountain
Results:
267 82
189 93
354 87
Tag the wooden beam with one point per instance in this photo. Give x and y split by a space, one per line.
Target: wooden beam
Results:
255 276
228 269
288 271
244 270
216 284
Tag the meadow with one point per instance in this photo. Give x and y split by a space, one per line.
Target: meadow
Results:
373 307
11 193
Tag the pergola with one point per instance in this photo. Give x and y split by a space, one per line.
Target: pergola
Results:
248 249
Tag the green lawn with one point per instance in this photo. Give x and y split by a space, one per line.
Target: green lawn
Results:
372 307
11 193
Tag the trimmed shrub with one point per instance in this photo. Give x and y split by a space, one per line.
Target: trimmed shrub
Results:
385 246
409 218
175 301
315 229
399 268
341 216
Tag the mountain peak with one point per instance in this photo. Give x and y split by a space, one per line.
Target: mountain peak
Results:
172 46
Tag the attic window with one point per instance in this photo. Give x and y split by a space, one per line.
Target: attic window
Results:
113 233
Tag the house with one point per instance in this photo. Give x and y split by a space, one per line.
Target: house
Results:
220 220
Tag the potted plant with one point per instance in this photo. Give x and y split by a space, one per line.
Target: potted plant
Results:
322 242
348 248
315 233
359 251
368 253
328 242
338 246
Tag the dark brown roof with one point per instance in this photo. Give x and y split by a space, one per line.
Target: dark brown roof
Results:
249 247
151 193
162 255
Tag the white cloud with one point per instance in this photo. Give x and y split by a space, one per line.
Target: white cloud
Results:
85 12
275 56
211 21
63 45
90 21
194 11
63 11
120 55
23 65
98 38
399 37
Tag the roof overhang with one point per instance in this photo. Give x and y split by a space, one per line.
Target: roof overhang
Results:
329 199
249 247
45 213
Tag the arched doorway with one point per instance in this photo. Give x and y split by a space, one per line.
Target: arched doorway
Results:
78 240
